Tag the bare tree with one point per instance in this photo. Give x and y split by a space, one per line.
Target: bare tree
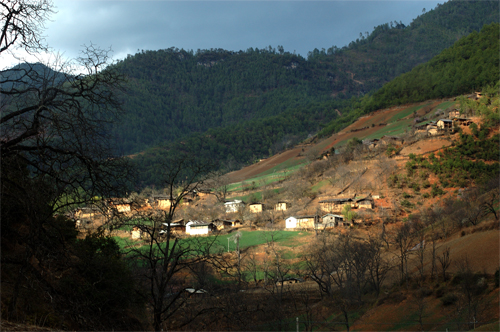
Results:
340 267
403 240
470 305
55 146
378 267
164 255
221 184
23 23
445 261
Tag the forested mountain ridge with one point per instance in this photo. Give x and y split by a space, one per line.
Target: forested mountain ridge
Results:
392 48
174 93
472 63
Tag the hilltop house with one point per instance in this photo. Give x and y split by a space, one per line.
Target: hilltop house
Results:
365 202
119 205
281 206
233 206
301 221
161 202
176 226
330 220
443 124
197 227
256 207
335 204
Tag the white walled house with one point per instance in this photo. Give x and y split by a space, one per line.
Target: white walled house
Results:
233 206
291 222
196 227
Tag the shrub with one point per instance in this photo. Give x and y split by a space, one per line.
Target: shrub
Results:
440 292
426 195
449 299
436 190
407 204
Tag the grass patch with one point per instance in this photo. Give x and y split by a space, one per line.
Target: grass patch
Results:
265 178
391 129
442 106
406 112
319 185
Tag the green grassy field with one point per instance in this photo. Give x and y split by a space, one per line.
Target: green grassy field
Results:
220 242
275 174
406 112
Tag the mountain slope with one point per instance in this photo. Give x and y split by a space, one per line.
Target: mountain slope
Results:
174 93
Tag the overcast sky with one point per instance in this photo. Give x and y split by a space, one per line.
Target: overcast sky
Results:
300 26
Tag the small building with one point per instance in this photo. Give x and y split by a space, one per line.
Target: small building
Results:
161 202
365 203
120 205
231 223
136 233
233 206
335 204
462 122
301 221
197 227
176 227
443 124
281 206
86 213
291 222
432 129
289 281
256 207
331 220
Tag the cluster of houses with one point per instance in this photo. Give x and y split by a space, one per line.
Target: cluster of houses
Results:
331 220
86 215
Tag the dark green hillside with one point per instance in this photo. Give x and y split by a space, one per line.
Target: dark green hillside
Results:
392 48
174 93
472 63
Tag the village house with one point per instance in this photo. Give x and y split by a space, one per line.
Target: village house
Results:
197 227
432 129
233 206
281 206
365 203
177 227
231 223
330 220
256 207
136 233
462 122
161 202
86 213
301 221
289 281
443 124
335 204
119 205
